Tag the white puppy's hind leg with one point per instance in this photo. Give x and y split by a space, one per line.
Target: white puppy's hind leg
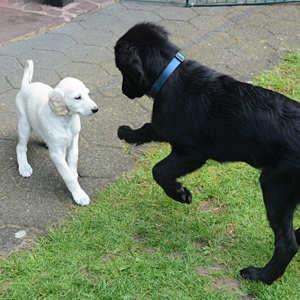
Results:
24 130
79 196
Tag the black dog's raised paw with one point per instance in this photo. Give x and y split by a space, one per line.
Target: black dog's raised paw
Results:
184 196
126 133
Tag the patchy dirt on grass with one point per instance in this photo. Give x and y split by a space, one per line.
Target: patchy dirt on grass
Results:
174 255
229 284
209 205
208 270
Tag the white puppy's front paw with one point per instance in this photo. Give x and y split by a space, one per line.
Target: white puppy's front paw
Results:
25 170
81 198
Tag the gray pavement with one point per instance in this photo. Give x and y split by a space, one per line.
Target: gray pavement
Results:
238 40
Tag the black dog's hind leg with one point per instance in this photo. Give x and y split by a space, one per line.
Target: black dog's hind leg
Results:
297 234
145 134
172 167
280 197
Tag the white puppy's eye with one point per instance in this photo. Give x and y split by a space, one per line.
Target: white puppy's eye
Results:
78 97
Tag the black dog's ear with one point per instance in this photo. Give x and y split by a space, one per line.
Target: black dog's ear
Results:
135 68
129 61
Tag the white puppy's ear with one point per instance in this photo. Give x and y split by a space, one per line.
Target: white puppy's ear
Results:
57 102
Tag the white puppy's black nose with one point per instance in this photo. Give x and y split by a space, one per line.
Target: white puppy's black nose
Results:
94 110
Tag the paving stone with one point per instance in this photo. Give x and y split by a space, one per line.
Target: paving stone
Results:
87 54
283 27
134 5
203 22
120 30
99 21
8 64
239 15
86 72
9 242
39 211
209 52
253 19
45 180
7 182
133 17
110 68
7 101
249 33
93 37
4 85
247 68
46 76
289 13
12 50
44 59
109 86
112 162
56 42
9 124
217 10
169 13
284 43
251 49
113 10
179 30
66 29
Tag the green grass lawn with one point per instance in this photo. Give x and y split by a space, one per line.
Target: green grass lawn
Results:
133 242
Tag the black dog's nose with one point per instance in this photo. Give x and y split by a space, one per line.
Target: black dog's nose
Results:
94 110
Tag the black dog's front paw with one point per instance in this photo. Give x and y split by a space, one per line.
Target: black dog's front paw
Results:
253 273
249 273
127 134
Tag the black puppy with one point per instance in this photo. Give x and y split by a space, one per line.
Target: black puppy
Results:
204 115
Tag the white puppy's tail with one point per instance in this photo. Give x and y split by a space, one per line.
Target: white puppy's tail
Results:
28 73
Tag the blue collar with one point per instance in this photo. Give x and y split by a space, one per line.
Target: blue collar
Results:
176 61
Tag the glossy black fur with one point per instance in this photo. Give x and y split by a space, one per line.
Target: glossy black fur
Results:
204 115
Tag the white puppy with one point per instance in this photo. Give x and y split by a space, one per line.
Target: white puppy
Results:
53 115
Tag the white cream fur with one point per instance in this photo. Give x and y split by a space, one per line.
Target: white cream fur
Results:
53 115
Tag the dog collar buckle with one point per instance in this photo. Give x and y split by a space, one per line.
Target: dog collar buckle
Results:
152 93
180 57
176 61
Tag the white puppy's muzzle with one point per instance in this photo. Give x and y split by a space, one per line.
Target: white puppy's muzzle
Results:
92 108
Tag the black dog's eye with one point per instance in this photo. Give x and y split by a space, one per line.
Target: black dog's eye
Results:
78 97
